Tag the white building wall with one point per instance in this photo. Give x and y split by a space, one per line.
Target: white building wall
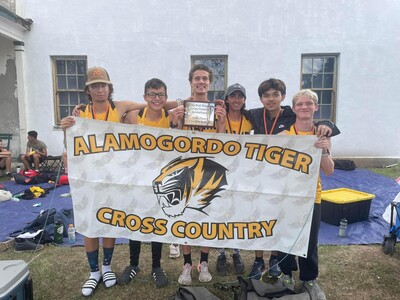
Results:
137 40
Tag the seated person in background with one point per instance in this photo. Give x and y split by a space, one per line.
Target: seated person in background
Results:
5 159
36 152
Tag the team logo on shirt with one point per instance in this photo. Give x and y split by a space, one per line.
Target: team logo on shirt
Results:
188 183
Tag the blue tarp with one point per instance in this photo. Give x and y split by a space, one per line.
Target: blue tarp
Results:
15 215
370 231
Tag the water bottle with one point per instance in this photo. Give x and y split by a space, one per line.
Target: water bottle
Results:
71 233
343 228
58 232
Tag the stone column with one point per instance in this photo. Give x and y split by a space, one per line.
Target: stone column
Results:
21 94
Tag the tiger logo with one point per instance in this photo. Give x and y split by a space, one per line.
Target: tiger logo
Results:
188 183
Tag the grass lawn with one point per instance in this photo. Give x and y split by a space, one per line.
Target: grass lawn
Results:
346 272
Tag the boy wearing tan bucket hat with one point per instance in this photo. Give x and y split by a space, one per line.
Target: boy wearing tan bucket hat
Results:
99 91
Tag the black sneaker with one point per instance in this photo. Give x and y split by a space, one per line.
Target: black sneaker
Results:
257 270
222 265
274 269
159 277
9 175
238 264
26 245
129 273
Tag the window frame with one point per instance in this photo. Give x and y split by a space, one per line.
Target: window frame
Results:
321 89
56 91
212 91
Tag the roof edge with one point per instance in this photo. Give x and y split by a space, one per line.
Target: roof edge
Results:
9 15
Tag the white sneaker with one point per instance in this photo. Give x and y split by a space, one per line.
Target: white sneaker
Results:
186 277
174 251
204 274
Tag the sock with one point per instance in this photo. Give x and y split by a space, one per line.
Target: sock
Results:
108 253
156 251
203 257
187 259
93 259
108 283
105 268
96 275
134 252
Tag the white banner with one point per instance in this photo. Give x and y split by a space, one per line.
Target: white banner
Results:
253 192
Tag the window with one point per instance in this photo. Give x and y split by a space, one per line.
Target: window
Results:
218 65
319 73
69 73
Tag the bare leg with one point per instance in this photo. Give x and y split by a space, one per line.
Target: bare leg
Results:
91 244
65 162
186 249
108 242
36 160
26 162
259 253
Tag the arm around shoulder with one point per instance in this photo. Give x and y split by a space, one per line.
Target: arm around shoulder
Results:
329 124
126 106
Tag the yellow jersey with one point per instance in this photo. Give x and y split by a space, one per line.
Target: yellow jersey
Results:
111 115
163 122
238 127
292 131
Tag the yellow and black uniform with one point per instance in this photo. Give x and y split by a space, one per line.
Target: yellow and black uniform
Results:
308 266
292 131
238 127
161 123
111 115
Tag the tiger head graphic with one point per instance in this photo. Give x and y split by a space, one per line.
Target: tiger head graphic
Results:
188 183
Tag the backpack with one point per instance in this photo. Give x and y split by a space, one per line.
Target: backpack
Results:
252 289
344 164
193 293
46 217
33 177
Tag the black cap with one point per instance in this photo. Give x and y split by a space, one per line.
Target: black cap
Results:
235 87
